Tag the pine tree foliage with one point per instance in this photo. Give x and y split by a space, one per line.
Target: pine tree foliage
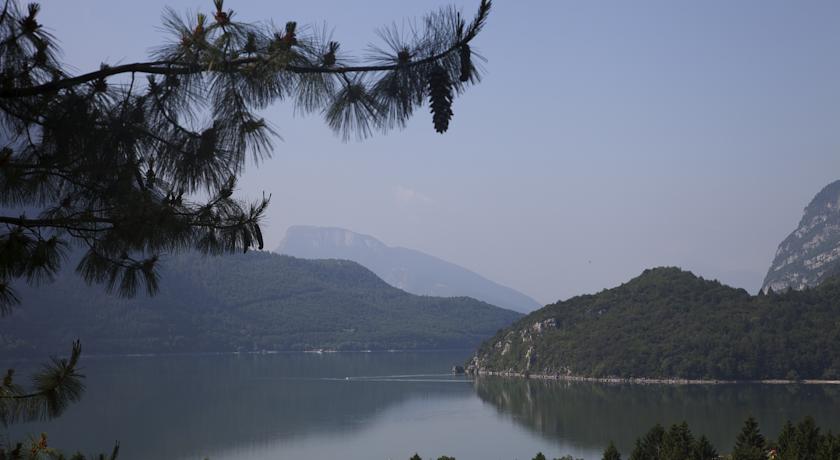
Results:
649 447
704 450
57 385
611 453
136 160
750 443
38 448
678 443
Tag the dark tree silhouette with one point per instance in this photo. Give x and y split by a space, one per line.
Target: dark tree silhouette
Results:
130 161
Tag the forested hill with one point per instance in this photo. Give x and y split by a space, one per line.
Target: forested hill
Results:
255 301
669 323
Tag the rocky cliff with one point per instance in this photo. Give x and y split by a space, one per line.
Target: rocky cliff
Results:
811 253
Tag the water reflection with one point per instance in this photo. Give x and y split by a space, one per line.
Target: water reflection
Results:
389 405
592 414
192 405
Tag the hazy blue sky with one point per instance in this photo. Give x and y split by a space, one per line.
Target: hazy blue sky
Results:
606 138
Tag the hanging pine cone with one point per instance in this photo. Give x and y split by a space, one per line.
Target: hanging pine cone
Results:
440 98
466 62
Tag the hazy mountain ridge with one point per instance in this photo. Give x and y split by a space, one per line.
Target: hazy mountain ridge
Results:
811 253
407 269
255 301
668 323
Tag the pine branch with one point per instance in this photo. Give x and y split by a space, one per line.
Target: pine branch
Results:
56 386
170 67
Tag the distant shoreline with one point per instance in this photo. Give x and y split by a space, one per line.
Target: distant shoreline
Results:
653 381
40 358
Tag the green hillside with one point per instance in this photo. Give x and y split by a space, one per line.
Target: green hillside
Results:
256 301
668 323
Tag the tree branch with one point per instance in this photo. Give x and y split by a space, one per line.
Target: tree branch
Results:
175 68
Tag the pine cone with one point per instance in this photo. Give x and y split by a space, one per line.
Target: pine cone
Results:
440 98
466 63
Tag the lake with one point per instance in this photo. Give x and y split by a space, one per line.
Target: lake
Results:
389 406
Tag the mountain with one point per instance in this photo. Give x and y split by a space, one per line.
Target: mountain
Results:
407 269
254 301
668 323
812 252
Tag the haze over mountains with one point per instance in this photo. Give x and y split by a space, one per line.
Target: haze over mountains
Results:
410 270
246 302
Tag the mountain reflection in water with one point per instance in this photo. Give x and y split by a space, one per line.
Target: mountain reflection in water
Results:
388 405
592 414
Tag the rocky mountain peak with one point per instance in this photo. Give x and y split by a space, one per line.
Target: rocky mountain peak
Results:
325 239
811 252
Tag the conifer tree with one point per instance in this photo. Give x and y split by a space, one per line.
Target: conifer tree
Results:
750 443
829 447
703 450
649 447
678 442
611 453
806 440
786 440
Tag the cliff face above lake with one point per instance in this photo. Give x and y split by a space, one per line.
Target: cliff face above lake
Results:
668 323
811 253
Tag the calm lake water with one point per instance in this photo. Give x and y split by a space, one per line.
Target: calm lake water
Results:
389 406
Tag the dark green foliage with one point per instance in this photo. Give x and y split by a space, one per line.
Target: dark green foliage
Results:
703 450
829 447
649 447
750 443
611 453
669 323
254 301
805 442
415 457
678 443
786 441
444 457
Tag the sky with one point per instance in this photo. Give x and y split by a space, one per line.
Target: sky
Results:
606 137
